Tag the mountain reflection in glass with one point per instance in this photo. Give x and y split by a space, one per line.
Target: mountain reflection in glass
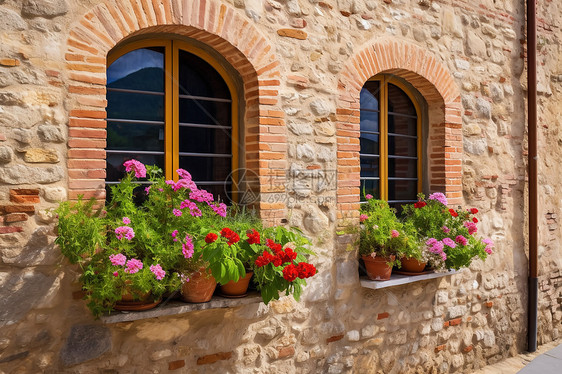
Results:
135 110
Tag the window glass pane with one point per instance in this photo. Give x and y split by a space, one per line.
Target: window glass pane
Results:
370 186
399 102
402 190
369 121
141 69
402 146
205 140
402 168
205 112
402 125
198 78
135 136
369 166
207 168
116 170
126 105
369 144
370 94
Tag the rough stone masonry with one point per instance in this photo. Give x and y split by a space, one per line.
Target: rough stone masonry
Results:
311 54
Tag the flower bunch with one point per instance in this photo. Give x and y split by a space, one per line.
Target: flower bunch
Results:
446 236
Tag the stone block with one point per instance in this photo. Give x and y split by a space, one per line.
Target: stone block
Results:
6 154
38 155
21 174
292 33
21 291
10 20
174 365
44 8
84 343
347 273
50 134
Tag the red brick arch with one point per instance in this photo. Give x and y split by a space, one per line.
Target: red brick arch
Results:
434 82
218 25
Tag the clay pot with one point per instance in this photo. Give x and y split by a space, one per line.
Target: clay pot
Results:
135 301
200 287
411 265
237 289
377 268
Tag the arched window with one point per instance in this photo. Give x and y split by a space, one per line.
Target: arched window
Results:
172 105
391 144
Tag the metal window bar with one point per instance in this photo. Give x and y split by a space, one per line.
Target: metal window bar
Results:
126 90
135 121
205 126
402 135
204 98
135 152
402 115
192 154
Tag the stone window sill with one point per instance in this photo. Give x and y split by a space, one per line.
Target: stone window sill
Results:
398 280
178 307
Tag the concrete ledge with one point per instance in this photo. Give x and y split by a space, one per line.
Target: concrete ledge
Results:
178 307
397 279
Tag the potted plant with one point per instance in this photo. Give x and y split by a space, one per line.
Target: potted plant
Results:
172 236
447 237
382 238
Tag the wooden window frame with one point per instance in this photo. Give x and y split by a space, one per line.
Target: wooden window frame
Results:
384 80
171 98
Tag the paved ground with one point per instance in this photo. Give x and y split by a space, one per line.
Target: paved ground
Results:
546 360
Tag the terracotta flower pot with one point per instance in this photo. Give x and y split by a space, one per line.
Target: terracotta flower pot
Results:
237 289
412 265
200 287
377 268
135 300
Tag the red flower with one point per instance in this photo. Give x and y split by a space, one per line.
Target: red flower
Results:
277 261
420 204
253 236
305 270
290 272
453 213
211 237
264 259
290 255
276 248
474 219
230 235
473 210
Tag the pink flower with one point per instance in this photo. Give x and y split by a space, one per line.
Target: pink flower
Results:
193 208
183 174
187 247
201 196
438 196
124 231
136 166
363 217
394 234
115 274
118 259
147 190
471 226
489 245
368 196
461 240
133 266
126 220
177 212
445 229
220 210
174 234
157 271
170 182
449 242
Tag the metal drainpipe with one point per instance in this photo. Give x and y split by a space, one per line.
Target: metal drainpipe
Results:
532 160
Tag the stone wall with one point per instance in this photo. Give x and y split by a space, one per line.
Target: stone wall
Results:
303 60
